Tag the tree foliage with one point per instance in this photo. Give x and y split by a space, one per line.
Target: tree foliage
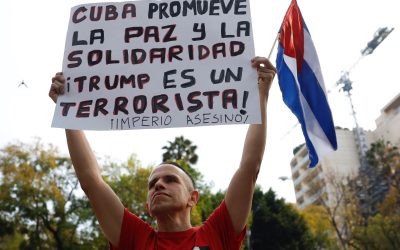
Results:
40 207
277 225
385 157
342 208
359 223
180 149
130 185
321 228
382 229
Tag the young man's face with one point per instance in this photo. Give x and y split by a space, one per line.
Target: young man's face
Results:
170 190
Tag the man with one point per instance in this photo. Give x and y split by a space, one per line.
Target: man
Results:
171 191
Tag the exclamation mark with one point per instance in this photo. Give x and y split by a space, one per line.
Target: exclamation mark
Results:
68 78
245 96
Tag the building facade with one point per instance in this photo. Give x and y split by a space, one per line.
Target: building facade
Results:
313 184
388 123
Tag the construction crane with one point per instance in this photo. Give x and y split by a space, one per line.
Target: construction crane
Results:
346 86
368 187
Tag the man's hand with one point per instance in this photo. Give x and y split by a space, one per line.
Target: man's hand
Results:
266 73
57 86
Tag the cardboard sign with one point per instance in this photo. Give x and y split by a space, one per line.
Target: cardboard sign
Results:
158 64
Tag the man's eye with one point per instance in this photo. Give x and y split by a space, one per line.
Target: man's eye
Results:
170 179
151 184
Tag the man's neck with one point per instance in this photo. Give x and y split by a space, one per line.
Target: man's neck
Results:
170 222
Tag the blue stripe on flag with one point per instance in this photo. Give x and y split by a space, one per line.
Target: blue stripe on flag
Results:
291 97
316 99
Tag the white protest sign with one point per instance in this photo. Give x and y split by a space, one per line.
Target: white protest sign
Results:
158 64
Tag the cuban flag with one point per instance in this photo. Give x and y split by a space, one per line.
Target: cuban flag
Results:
302 85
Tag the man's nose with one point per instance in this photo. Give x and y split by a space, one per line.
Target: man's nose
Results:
159 185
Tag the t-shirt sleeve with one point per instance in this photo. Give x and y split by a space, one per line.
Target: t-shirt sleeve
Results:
133 232
221 223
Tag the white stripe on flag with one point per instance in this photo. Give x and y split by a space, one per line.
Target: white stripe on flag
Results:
311 57
313 128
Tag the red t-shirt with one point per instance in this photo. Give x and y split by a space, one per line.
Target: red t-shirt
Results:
216 233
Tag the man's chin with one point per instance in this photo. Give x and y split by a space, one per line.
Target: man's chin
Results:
163 208
158 208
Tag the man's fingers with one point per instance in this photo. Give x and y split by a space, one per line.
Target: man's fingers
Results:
259 59
60 87
266 72
263 64
58 77
57 87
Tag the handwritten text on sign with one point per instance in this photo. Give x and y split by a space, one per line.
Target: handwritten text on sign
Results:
156 64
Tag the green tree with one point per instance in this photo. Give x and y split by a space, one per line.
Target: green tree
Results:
180 149
130 184
129 180
277 225
359 223
207 204
385 157
342 207
381 231
40 207
319 223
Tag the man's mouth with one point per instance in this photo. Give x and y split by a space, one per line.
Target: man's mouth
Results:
159 194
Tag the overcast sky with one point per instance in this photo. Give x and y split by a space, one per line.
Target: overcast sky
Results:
31 49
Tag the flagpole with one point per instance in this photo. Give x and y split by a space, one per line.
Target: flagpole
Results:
273 46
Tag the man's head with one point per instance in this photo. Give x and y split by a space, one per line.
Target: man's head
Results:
171 189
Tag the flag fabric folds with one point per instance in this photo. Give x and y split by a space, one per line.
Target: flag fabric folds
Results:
302 85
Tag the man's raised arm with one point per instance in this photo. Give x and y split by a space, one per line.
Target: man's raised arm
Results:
240 191
105 203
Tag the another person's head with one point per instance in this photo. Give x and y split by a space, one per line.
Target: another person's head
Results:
170 189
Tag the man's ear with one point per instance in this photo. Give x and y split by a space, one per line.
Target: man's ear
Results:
194 198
